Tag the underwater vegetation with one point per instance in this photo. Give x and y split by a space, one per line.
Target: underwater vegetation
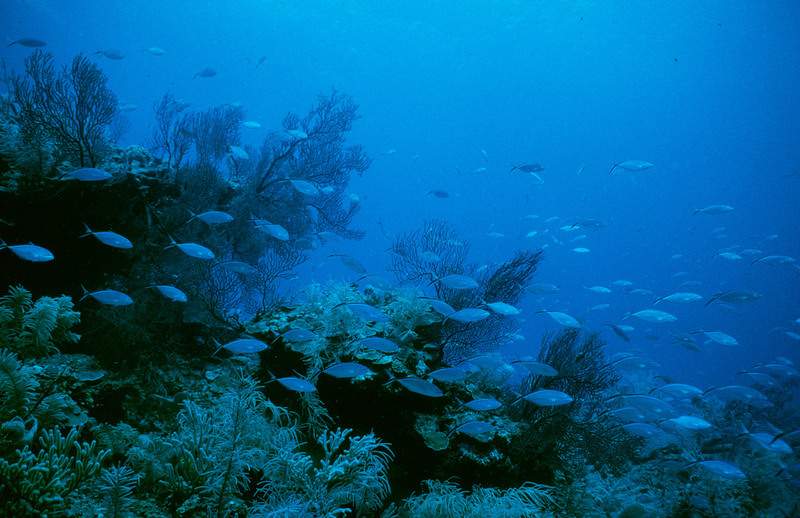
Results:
152 365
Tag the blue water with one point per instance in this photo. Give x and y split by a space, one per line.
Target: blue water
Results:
707 93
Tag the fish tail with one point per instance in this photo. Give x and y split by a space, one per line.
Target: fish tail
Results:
658 299
12 43
84 292
216 342
86 231
3 245
712 298
611 171
192 215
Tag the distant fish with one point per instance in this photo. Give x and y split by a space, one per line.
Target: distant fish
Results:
238 267
680 297
719 337
238 153
114 54
685 341
620 332
688 422
364 311
205 72
720 468
155 51
192 250
631 165
548 398
108 297
478 430
297 133
467 315
273 230
440 306
30 252
304 187
581 250
543 288
245 346
678 390
351 262
212 217
730 256
599 289
420 386
87 174
28 42
108 238
563 319
713 210
299 335
251 124
378 343
296 384
128 107
734 297
655 316
171 293
501 308
483 404
438 193
261 61
347 370
448 375
537 368
775 259
528 168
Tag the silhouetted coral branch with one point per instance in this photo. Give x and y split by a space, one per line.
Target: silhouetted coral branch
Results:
73 107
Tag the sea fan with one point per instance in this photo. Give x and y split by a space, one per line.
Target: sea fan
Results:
445 499
35 328
117 484
17 387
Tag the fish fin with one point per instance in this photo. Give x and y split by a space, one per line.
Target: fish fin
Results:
87 231
172 242
390 376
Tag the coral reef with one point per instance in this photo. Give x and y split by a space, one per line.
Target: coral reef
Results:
154 367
